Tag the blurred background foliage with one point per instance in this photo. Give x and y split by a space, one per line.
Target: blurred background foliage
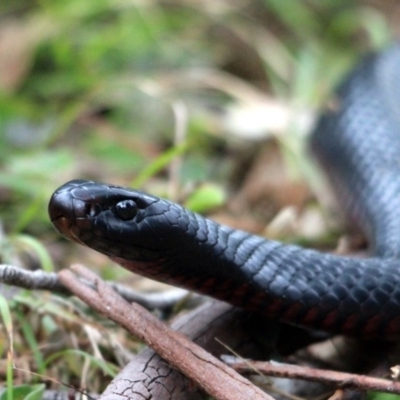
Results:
90 89
176 97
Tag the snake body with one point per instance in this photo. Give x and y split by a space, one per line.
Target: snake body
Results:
358 143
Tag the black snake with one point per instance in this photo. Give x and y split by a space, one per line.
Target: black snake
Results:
358 143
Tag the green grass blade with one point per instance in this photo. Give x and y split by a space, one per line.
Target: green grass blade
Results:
7 320
158 164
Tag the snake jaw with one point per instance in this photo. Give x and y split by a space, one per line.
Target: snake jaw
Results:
64 227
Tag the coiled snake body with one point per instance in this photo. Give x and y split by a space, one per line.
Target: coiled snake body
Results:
358 142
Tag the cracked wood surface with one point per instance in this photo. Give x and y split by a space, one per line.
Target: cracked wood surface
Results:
148 376
217 379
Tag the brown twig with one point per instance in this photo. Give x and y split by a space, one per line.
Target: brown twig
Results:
212 375
19 277
340 379
42 280
149 376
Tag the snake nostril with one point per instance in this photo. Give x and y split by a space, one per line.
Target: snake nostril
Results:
92 209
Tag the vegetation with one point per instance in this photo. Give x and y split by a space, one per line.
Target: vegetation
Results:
170 96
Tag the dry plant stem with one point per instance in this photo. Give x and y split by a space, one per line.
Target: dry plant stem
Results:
41 280
149 376
340 379
38 279
212 375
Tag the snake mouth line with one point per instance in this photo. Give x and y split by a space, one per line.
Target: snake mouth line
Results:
63 225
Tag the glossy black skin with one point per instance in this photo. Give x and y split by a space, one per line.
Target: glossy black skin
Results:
358 143
164 241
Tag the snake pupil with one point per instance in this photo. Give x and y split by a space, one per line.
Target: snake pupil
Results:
126 209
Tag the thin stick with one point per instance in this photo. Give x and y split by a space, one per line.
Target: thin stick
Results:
42 280
212 375
339 379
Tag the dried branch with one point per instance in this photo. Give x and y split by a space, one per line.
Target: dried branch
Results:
340 379
35 280
41 280
149 376
211 374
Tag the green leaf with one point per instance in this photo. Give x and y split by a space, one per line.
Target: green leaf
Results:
377 27
36 392
296 15
25 392
206 198
382 396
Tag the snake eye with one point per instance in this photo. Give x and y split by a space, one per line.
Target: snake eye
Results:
126 209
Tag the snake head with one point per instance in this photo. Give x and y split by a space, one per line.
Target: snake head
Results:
119 222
